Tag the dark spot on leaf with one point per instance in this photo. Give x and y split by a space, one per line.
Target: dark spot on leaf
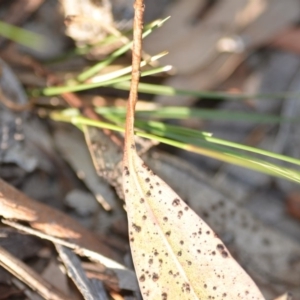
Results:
155 253
186 208
151 186
224 254
144 217
157 183
136 227
165 219
220 247
147 179
179 215
150 261
179 253
164 296
126 171
159 192
142 278
186 288
132 240
142 200
181 242
208 232
126 191
148 193
155 277
168 233
189 262
213 253
176 202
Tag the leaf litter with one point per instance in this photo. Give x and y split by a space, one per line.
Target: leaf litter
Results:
176 254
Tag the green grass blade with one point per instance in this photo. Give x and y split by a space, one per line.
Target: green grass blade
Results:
178 112
125 71
22 36
155 89
211 114
56 90
195 137
191 136
101 65
207 149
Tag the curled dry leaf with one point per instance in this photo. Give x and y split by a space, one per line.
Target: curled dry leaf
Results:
175 253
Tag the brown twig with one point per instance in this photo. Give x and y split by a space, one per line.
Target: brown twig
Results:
136 60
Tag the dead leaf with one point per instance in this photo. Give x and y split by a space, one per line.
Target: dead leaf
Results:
171 244
176 254
106 158
107 155
271 258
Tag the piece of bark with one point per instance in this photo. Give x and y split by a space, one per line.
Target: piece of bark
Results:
17 206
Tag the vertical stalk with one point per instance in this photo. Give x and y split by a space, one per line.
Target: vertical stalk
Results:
136 60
